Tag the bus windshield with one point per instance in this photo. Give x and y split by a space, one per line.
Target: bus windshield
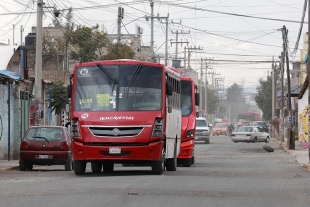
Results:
118 88
186 92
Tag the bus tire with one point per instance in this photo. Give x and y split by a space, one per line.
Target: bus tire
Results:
193 159
79 167
108 167
158 167
171 163
187 162
96 167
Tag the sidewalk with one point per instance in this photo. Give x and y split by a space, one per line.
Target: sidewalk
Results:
9 165
301 154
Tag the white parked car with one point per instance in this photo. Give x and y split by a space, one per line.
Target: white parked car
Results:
250 134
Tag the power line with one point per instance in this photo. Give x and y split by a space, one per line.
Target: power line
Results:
231 14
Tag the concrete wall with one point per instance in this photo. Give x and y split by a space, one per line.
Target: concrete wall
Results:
14 123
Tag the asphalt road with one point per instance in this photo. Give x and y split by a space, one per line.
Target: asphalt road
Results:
225 174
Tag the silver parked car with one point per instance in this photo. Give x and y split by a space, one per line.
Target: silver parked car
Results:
250 134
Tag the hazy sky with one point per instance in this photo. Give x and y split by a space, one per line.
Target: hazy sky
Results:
218 34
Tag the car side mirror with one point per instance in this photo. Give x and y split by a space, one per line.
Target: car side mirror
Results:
197 99
169 89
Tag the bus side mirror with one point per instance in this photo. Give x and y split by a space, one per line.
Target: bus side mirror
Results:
69 90
197 99
169 89
197 114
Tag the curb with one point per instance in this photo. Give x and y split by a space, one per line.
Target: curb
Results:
9 169
283 147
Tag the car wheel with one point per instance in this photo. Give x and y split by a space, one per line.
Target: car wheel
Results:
108 167
267 140
22 166
68 165
29 166
187 162
255 140
235 142
207 141
96 167
79 167
158 167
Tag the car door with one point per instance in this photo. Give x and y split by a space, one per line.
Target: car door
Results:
260 134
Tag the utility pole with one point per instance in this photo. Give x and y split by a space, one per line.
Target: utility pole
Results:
139 32
190 50
152 30
290 134
166 42
68 17
120 16
273 91
13 34
21 35
38 63
308 68
177 42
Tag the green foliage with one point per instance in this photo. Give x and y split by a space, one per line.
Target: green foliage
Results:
88 43
119 51
212 100
58 97
264 97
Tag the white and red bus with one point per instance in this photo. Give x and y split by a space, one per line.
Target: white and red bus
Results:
190 99
125 111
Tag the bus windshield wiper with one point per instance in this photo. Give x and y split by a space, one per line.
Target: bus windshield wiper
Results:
37 137
135 74
113 79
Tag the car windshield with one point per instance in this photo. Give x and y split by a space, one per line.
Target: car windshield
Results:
245 129
220 126
201 123
44 133
108 88
186 92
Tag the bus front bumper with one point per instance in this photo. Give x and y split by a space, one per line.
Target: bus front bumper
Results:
186 151
87 152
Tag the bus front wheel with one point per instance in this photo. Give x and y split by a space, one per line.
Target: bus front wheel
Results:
79 167
158 167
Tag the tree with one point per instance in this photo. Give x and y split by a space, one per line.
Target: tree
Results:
212 100
264 97
88 43
58 97
236 101
119 51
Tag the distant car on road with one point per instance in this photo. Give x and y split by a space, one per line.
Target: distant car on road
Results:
220 129
202 130
250 134
263 125
45 145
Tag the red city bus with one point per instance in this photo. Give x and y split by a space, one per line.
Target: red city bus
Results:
190 99
125 111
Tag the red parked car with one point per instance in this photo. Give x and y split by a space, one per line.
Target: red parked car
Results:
45 145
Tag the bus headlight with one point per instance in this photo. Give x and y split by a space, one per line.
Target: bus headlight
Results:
190 134
158 127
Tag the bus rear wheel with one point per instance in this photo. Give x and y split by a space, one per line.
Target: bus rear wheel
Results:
96 166
108 167
171 163
79 167
187 162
